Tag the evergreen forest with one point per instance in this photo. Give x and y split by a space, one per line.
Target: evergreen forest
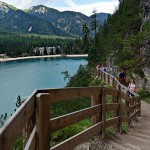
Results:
16 45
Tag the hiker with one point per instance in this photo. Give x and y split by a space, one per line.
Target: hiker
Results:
103 68
132 87
110 70
122 77
98 68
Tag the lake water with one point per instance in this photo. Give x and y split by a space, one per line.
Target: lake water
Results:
24 76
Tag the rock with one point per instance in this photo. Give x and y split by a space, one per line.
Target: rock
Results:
147 75
96 144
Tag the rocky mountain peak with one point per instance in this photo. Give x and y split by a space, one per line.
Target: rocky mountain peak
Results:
3 7
39 9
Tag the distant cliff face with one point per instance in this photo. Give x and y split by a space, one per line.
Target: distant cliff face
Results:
145 4
145 45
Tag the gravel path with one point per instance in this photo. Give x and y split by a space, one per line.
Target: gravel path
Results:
136 138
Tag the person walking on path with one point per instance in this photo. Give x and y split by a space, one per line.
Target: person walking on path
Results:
132 87
98 69
122 77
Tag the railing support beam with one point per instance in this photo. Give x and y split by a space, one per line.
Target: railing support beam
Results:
42 121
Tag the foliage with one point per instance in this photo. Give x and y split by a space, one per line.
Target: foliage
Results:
64 107
144 93
66 75
86 37
19 144
97 82
94 23
81 79
19 102
147 99
119 37
15 45
3 119
69 131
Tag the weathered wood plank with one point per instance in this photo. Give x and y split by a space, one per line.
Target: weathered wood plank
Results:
138 105
42 121
132 107
124 96
103 114
13 127
112 121
31 144
66 120
138 111
70 143
125 119
132 115
110 91
112 106
96 100
70 93
124 107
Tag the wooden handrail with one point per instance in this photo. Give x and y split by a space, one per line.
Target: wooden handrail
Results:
32 119
118 83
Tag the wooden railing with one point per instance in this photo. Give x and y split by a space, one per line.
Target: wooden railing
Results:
33 119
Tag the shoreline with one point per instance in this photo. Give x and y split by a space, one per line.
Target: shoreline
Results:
35 57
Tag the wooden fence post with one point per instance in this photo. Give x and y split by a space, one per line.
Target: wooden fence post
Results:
140 106
103 114
42 121
108 78
113 82
119 110
101 75
104 77
127 112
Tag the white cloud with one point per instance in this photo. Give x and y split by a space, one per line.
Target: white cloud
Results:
87 9
101 6
71 3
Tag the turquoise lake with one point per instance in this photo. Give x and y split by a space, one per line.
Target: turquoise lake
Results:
22 77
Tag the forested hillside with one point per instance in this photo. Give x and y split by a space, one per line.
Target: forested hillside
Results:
15 45
123 40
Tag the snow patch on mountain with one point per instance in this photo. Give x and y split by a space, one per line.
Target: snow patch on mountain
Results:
30 28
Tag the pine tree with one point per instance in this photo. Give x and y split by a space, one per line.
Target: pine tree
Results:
94 24
86 38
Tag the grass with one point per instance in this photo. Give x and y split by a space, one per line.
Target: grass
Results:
147 100
65 107
69 131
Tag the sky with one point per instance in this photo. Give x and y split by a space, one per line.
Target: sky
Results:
84 6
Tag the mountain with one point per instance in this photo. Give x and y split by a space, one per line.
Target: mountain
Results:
44 20
101 17
15 20
68 21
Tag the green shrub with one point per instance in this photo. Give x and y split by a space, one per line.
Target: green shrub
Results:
147 100
81 79
144 93
69 131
